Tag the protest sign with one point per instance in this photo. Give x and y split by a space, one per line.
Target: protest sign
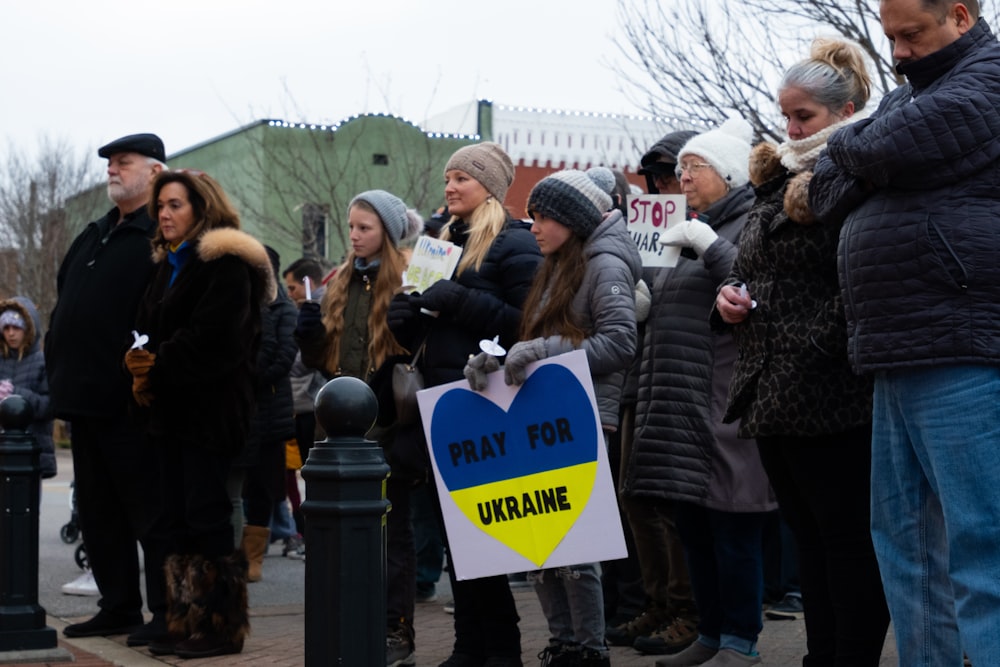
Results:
522 472
432 260
647 217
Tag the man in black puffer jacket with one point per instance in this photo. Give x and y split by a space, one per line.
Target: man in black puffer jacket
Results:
919 263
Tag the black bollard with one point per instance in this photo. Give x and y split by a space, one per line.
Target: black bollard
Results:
22 619
344 511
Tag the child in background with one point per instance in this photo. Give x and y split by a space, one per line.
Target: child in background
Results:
22 369
582 298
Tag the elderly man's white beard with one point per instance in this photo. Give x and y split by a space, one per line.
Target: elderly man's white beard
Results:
119 192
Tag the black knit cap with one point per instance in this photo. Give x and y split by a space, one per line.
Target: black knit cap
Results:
149 145
574 198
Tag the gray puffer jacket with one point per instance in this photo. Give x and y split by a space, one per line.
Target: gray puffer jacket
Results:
605 309
25 368
682 450
919 260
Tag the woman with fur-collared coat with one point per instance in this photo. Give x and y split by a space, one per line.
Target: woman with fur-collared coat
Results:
793 388
201 312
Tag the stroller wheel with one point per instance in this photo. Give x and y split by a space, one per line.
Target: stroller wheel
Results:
69 533
80 556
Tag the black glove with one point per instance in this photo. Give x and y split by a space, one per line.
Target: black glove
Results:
445 296
310 323
402 313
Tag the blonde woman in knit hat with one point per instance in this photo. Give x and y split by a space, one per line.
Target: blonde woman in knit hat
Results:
482 300
682 452
582 298
347 334
793 388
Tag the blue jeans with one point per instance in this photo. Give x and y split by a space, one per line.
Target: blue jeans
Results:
572 600
935 509
726 561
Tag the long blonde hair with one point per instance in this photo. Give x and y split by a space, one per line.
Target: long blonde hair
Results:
381 343
485 223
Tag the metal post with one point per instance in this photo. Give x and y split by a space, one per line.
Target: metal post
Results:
22 619
345 511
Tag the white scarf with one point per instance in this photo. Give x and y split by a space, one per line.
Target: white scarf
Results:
798 155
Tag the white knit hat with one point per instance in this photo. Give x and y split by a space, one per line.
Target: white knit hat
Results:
726 148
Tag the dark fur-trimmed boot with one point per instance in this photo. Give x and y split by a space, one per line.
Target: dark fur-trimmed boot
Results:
217 615
178 605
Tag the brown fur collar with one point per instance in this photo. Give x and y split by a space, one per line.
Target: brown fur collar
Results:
216 243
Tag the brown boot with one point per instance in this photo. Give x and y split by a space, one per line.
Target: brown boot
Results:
255 544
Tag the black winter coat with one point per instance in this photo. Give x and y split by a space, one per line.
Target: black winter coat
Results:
489 305
100 282
274 418
919 260
205 332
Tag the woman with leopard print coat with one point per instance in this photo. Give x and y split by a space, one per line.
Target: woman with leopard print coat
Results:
792 387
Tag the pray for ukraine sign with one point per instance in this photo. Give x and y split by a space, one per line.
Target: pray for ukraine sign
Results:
522 472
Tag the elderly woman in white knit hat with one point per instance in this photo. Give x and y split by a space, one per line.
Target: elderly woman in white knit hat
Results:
482 300
714 480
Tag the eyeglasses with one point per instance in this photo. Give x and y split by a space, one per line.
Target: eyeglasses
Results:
691 168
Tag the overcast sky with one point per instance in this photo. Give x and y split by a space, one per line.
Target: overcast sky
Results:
90 71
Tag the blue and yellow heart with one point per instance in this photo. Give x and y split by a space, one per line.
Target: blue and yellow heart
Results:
524 475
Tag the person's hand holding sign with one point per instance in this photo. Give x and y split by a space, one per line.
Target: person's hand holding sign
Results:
520 355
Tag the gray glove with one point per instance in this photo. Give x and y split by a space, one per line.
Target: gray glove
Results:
478 367
521 355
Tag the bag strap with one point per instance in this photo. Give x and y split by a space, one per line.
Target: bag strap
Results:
416 356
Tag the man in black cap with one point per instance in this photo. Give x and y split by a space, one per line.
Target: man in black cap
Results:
659 162
100 282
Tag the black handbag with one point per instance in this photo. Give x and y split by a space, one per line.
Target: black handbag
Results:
407 380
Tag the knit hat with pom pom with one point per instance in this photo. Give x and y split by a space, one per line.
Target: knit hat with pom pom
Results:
574 198
401 224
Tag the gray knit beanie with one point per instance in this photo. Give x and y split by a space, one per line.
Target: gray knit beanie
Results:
574 198
488 163
400 223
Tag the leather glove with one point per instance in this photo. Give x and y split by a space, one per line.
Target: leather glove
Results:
478 367
521 355
139 363
445 296
402 313
689 234
310 323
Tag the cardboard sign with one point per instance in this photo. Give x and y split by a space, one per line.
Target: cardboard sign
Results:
432 260
522 472
648 216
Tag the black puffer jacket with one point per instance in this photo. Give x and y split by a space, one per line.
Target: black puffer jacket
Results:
682 451
489 305
919 260
274 417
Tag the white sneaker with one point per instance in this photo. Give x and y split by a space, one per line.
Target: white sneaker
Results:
85 584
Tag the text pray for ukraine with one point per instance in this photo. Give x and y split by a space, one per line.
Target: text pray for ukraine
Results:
469 451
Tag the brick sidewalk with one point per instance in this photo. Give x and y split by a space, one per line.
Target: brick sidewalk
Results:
277 639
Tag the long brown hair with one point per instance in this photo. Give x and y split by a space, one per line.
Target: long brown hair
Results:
212 208
548 310
381 343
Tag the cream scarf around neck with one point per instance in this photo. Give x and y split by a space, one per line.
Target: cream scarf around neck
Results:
801 155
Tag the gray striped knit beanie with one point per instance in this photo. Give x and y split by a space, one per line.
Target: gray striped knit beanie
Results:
574 198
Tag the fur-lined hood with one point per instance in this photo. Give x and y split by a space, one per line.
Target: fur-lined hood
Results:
26 309
216 243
